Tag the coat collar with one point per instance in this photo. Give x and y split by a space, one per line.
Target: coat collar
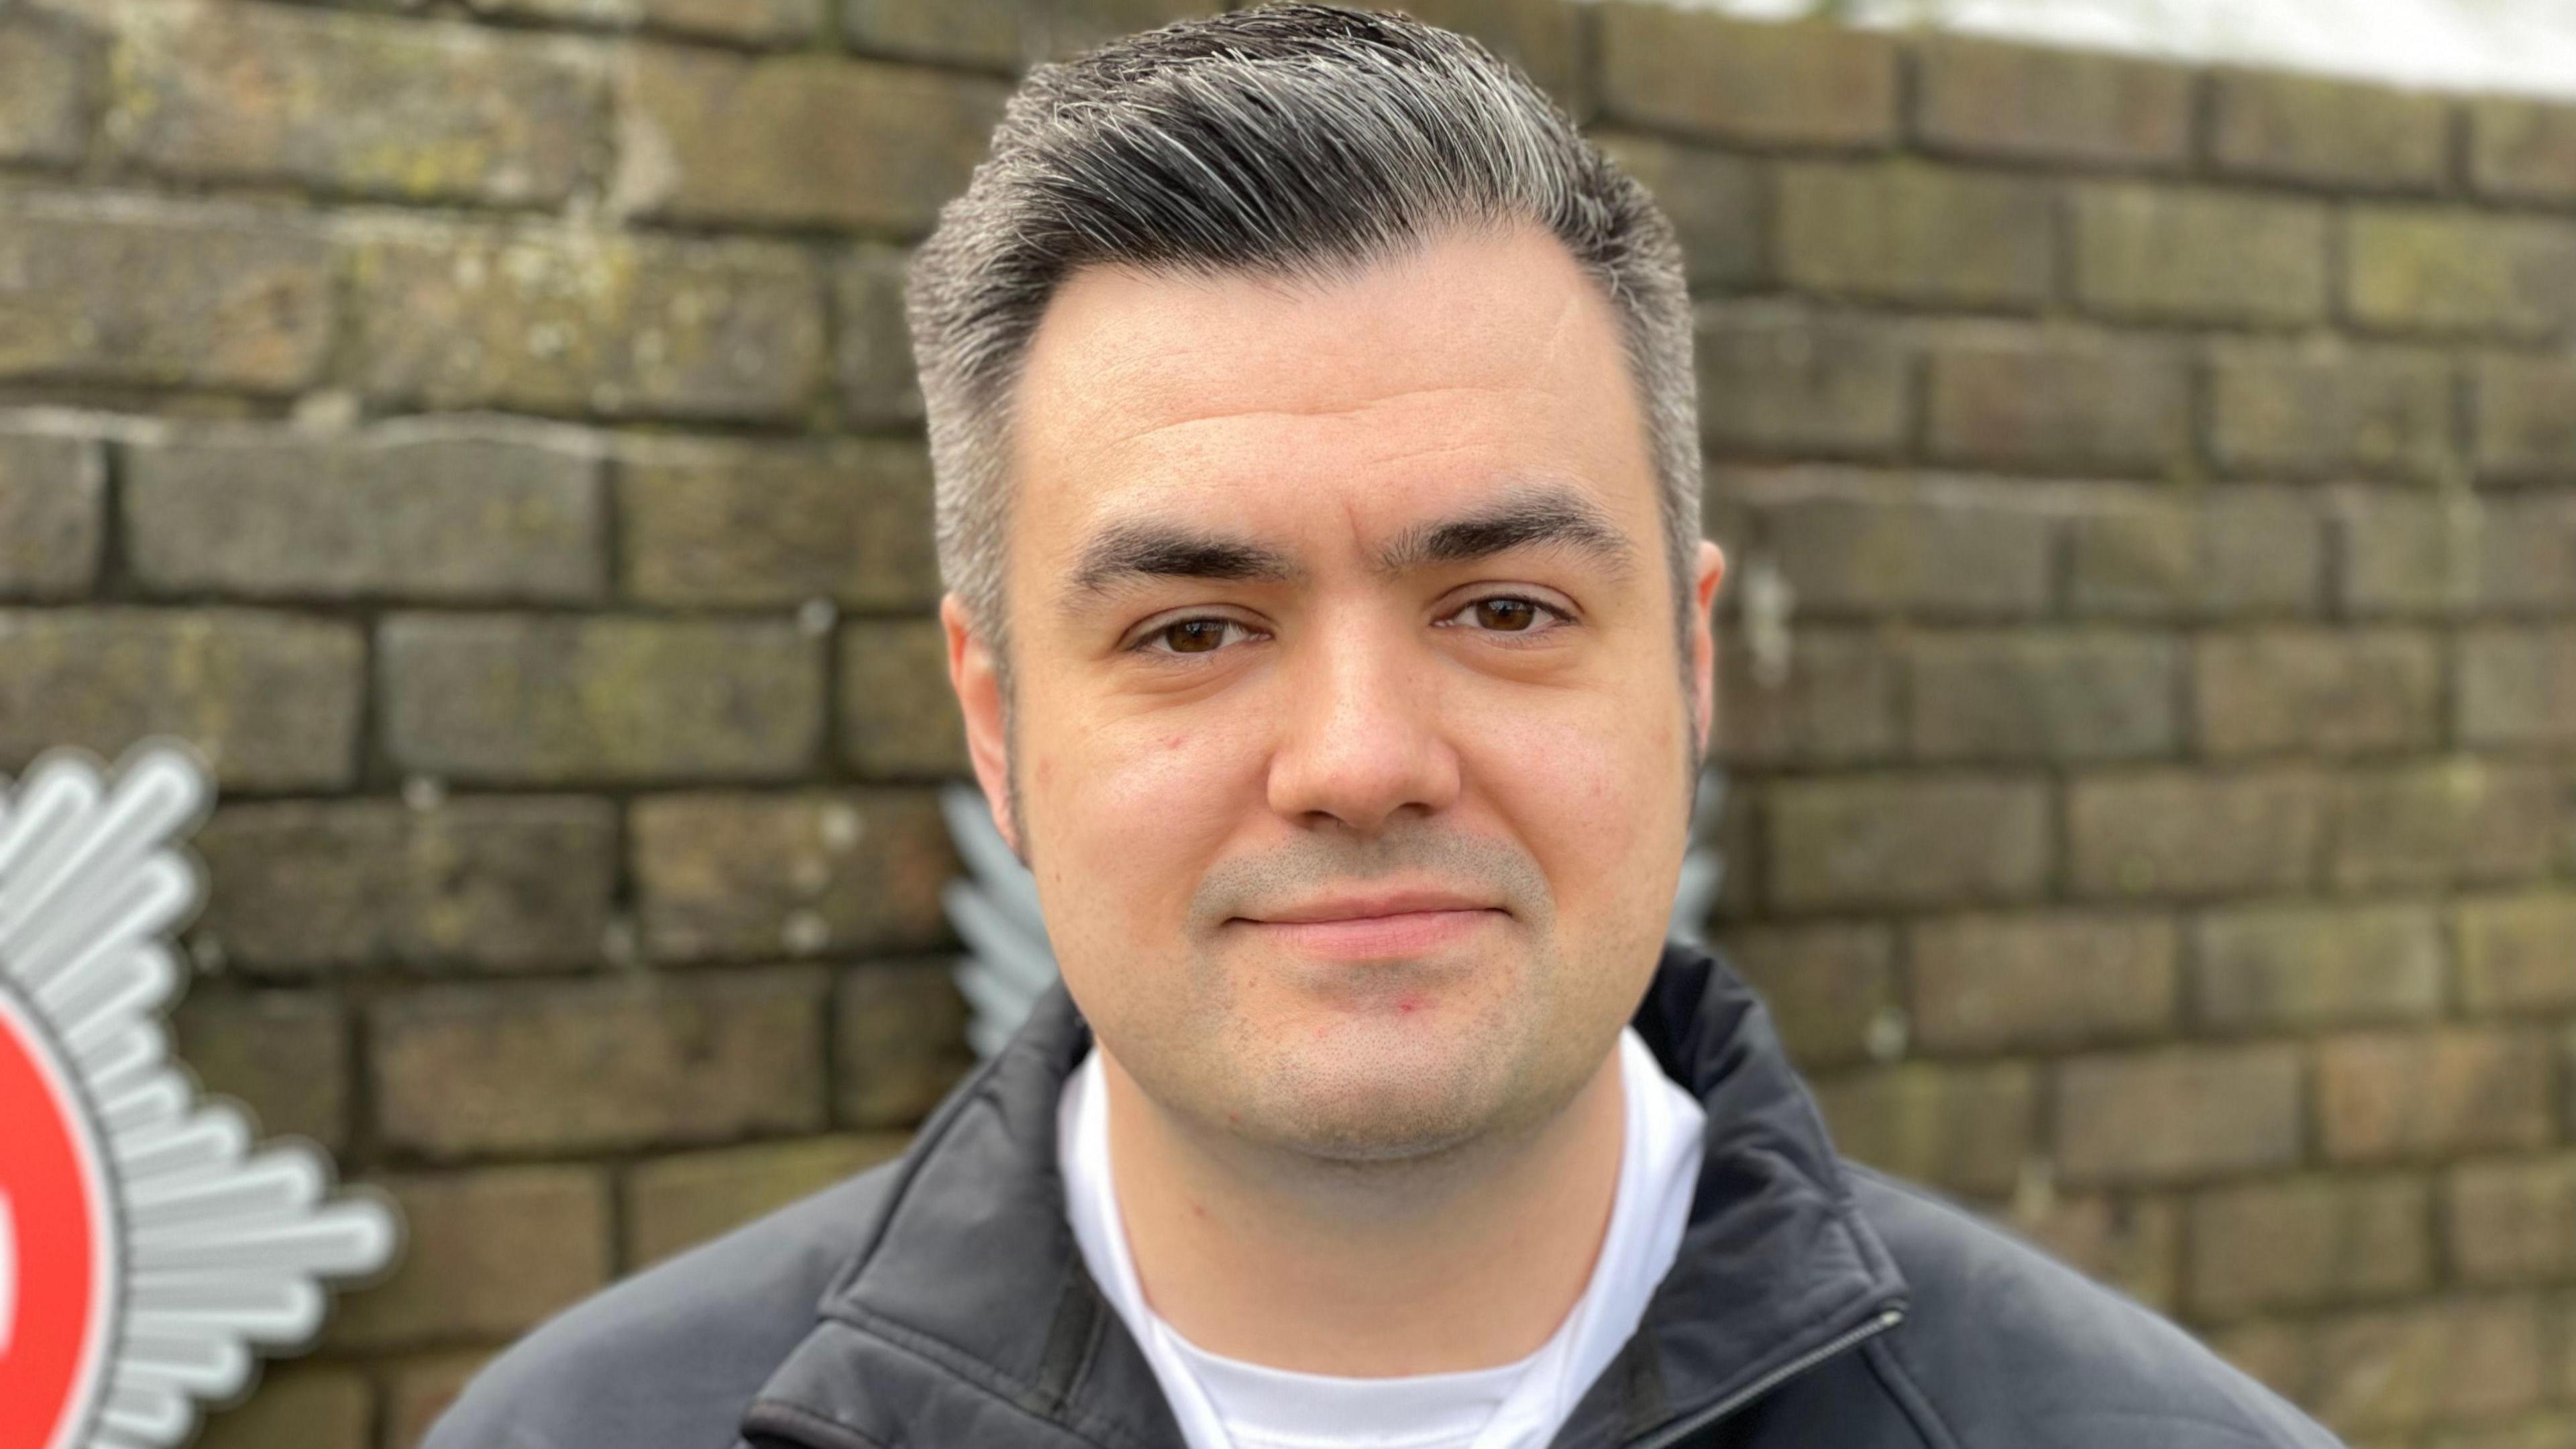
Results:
969 1316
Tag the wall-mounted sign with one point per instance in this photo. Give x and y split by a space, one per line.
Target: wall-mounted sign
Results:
147 1251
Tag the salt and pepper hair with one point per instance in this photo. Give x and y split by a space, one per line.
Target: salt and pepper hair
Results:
1295 141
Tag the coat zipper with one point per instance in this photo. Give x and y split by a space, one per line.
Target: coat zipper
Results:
1881 1322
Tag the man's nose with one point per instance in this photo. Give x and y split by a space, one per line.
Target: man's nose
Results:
1360 735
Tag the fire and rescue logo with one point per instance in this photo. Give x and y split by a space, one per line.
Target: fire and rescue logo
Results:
147 1251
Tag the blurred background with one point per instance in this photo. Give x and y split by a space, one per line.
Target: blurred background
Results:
485 430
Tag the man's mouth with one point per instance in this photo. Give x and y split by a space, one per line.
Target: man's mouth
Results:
1374 926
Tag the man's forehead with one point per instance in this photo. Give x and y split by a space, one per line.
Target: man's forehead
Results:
1470 324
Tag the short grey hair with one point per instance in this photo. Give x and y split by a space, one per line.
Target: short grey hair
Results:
1290 140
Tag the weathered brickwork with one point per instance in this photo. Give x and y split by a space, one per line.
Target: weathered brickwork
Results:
487 431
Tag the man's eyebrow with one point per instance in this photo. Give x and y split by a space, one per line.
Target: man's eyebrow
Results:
1538 514
1128 552
1541 514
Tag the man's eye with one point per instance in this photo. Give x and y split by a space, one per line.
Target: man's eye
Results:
1191 636
1505 614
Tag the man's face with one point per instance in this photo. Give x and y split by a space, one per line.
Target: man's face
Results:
1345 721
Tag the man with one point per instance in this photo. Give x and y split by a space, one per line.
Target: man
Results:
1318 496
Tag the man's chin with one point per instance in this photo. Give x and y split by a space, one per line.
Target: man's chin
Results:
1376 1090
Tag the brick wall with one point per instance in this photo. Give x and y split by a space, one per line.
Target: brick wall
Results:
2151 672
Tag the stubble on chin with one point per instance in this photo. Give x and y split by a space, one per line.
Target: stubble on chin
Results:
1370 1088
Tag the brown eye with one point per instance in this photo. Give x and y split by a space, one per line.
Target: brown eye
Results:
1509 615
1195 636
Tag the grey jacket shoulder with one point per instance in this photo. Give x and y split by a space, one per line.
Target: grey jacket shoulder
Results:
668 1359
2004 1346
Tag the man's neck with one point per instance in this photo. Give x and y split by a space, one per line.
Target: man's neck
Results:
1467 1262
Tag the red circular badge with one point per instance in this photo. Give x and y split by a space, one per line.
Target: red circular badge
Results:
57 1242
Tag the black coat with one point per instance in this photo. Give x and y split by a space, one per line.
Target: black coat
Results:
942 1300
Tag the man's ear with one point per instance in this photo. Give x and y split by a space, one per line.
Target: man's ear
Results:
1711 575
976 675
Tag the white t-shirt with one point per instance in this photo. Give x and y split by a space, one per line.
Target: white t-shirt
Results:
1227 1403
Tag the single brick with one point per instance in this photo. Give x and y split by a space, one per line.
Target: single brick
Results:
2423 270
2133 1244
2515 952
2317 690
2391 1095
577 321
282 1054
2303 1242
2165 253
1836 703
1698 73
778 526
2539 1431
357 104
2102 405
495 882
2322 408
463 1071
747 22
2405 554
745 876
553 699
803 140
1830 988
1001 34
271 700
1714 201
2287 127
2039 982
1966 1129
48 71
675 1203
418 1390
2177 1113
1904 231
53 515
308 1405
898 718
2289 967
2516 687
2090 695
440 513
485 1255
1925 550
2182 834
2442 822
2527 553
899 1043
2275 1354
2511 1222
1775 380
1985 97
2522 148
161 295
2237 553
2423 1364
2525 419
1933 840
871 347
